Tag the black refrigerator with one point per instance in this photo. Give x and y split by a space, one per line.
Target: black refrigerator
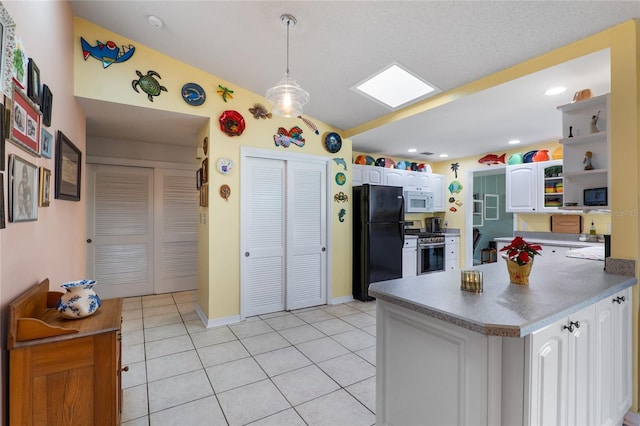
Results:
378 236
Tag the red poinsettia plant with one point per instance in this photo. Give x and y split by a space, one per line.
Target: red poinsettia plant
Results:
521 251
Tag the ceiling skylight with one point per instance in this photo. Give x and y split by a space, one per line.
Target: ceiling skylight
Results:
395 87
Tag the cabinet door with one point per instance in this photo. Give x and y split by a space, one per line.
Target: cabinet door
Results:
605 359
424 181
581 368
410 180
357 174
547 402
393 177
521 183
622 356
550 186
409 262
437 187
373 175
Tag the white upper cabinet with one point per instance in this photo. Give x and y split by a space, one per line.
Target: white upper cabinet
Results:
437 187
522 188
393 177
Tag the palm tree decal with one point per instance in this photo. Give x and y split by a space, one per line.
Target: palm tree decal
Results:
454 168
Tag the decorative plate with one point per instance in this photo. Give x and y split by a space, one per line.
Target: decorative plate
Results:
361 159
389 163
224 165
225 192
341 179
193 94
231 123
369 161
402 165
333 142
528 157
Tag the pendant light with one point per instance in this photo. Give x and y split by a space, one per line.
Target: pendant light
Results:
287 98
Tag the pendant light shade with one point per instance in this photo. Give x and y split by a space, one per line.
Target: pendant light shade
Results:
287 98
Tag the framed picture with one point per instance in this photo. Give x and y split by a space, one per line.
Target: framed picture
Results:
198 178
46 105
23 190
34 88
46 144
25 122
2 139
8 44
68 169
3 222
205 170
204 196
44 193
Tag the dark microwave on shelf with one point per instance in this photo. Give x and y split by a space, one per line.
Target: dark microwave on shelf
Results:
595 197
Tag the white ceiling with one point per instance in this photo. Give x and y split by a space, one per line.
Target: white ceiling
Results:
337 44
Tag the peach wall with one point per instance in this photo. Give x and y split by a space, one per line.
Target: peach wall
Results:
53 245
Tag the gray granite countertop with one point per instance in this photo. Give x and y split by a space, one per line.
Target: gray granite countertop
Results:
558 287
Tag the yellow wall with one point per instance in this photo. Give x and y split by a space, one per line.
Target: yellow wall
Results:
219 238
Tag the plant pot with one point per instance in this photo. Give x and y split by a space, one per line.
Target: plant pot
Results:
79 301
519 274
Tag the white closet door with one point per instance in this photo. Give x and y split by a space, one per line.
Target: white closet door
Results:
176 235
120 230
264 239
306 258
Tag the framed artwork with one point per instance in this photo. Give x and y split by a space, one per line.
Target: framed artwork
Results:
8 45
3 222
46 144
46 105
68 169
198 178
204 196
34 88
205 170
2 139
25 122
23 190
44 193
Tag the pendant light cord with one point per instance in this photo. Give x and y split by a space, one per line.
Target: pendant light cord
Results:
288 25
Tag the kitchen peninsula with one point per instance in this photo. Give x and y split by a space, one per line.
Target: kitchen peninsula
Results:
557 351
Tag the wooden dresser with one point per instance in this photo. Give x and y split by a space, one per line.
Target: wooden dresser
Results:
63 372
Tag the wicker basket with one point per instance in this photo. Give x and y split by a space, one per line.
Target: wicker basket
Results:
519 274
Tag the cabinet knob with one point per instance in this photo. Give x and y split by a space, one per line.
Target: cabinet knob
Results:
89 240
619 300
572 326
125 368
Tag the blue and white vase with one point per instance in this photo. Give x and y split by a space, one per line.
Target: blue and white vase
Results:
80 300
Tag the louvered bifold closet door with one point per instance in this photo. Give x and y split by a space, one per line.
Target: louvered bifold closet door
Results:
306 234
264 240
176 221
120 230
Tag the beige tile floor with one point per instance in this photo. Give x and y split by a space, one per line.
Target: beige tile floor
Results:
313 366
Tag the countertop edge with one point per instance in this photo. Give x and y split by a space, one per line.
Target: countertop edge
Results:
499 329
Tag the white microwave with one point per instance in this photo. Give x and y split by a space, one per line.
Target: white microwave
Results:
418 201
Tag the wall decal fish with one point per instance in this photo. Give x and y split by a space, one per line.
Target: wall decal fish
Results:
286 138
340 162
310 125
259 111
490 159
341 215
107 52
455 187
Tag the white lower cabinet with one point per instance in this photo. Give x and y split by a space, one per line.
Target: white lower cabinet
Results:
561 374
410 257
575 371
451 253
580 367
613 358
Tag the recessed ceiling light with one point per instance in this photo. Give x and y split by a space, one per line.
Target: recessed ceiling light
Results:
555 90
395 86
514 142
155 22
444 155
412 150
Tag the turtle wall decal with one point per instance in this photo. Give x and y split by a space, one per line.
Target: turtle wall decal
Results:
148 84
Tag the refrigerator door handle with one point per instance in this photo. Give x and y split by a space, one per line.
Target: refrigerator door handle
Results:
401 221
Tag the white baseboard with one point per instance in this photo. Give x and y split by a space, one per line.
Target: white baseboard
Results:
632 419
217 322
339 300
